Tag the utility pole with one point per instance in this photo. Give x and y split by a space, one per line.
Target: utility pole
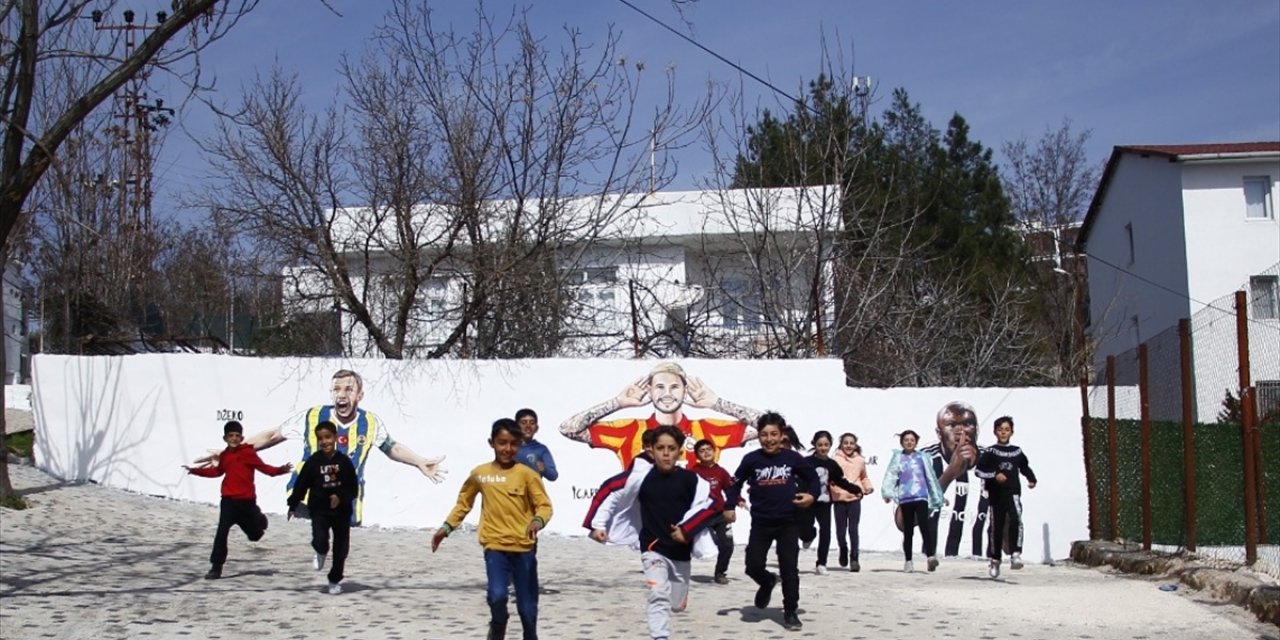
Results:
862 90
138 119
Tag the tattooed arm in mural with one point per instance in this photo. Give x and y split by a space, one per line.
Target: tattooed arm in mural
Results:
699 395
634 395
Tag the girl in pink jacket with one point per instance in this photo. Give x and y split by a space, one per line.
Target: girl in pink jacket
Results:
847 506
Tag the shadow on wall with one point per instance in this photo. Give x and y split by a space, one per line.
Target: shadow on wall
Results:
99 452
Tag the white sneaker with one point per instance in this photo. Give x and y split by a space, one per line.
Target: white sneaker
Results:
335 588
933 563
907 567
820 570
1015 561
317 561
993 568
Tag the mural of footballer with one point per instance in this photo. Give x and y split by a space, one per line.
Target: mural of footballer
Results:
359 432
669 390
955 453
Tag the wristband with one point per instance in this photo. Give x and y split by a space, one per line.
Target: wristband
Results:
448 529
542 524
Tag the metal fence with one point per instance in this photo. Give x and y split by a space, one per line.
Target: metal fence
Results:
1177 438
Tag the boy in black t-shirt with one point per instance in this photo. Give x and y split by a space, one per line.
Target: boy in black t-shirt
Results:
328 481
675 504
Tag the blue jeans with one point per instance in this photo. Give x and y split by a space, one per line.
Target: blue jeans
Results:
521 570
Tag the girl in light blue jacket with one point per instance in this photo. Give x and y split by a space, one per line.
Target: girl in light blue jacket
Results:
911 482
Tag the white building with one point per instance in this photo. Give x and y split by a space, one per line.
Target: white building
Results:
665 261
16 353
1173 229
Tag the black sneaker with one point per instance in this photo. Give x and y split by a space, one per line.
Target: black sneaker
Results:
722 578
844 557
765 592
497 631
791 622
854 566
214 573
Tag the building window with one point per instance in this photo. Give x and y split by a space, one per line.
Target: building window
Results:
598 275
1257 197
1264 292
1268 400
1128 230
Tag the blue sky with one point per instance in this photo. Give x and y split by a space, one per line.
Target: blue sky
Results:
1133 72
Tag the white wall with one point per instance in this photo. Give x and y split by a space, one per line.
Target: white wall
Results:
1224 248
130 422
1147 193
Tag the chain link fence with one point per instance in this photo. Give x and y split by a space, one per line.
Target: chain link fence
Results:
1186 489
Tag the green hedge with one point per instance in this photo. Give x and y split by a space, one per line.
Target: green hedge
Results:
1219 481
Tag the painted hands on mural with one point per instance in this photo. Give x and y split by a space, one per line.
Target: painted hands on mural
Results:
634 394
698 394
430 467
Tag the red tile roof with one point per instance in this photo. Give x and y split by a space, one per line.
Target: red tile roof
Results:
1199 149
1174 152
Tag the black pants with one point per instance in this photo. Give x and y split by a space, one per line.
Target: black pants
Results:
786 537
1006 511
724 543
340 522
820 515
914 513
848 514
242 513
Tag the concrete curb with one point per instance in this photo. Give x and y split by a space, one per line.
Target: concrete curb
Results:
1231 585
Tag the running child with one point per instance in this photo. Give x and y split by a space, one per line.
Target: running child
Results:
532 453
847 506
910 481
328 482
718 479
830 476
675 504
999 466
514 510
782 482
239 505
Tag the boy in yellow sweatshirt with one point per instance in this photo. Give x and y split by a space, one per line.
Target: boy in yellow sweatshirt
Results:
515 508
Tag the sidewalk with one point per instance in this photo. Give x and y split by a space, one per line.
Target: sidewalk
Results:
1227 581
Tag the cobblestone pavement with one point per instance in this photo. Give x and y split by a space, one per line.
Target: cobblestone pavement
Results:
90 562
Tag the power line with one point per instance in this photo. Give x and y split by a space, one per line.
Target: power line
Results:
1175 292
717 56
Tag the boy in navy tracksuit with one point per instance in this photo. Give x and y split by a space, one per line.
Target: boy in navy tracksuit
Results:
782 482
998 466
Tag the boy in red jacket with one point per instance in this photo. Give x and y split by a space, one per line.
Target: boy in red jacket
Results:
239 501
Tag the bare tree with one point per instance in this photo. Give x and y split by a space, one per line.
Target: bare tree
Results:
38 118
1050 183
467 155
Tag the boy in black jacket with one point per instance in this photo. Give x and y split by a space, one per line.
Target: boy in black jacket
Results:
328 481
998 466
782 482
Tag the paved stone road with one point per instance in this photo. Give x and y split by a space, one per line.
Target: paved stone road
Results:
89 562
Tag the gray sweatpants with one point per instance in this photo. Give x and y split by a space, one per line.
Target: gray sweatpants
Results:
668 582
